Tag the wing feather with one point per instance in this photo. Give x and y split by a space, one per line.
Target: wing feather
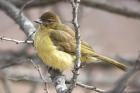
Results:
66 42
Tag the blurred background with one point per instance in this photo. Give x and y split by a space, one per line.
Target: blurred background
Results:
110 34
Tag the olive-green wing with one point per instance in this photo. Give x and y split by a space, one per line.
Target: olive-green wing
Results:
66 42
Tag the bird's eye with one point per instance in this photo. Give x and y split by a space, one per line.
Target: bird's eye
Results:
50 20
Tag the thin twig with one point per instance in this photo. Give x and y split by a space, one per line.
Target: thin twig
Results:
93 88
90 87
41 75
30 36
15 40
24 5
122 83
75 6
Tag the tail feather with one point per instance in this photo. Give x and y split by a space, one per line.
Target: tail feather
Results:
111 61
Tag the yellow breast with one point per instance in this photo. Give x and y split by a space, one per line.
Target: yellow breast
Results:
49 54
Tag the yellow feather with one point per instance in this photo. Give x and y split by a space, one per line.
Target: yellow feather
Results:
55 45
49 53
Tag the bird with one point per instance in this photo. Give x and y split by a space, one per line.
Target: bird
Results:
55 45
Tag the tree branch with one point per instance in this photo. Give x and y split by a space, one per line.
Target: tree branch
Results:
25 5
90 87
30 78
41 75
13 12
106 5
116 7
75 7
28 28
36 3
58 80
122 83
15 41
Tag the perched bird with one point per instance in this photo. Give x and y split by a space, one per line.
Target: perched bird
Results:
55 45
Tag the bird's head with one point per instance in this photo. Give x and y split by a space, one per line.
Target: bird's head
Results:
48 18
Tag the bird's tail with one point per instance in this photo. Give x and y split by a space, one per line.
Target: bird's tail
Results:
110 61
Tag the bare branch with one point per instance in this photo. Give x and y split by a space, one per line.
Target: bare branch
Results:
24 5
36 3
58 80
106 5
117 8
122 83
15 41
56 76
75 6
41 74
28 28
90 87
13 12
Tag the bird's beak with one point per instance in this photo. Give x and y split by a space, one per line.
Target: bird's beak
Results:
38 21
